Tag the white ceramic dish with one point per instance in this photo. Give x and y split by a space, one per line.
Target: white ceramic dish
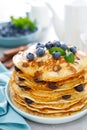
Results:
43 119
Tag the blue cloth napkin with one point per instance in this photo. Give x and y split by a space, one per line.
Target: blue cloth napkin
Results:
9 119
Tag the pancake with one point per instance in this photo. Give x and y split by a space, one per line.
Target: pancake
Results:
40 101
61 104
49 87
46 86
52 115
40 96
77 106
43 67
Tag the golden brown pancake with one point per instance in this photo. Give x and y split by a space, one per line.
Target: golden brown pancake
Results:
60 105
77 106
52 115
48 87
41 96
43 67
20 79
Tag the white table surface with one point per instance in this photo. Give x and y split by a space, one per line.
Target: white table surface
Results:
80 124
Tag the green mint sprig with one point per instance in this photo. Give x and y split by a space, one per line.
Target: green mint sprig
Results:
57 49
23 22
68 55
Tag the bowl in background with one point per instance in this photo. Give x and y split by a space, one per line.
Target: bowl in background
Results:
19 40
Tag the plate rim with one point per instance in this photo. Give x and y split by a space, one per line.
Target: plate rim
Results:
44 120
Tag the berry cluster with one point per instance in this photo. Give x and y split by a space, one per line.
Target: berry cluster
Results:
10 30
56 44
56 49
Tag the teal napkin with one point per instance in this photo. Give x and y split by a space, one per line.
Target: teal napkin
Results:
9 119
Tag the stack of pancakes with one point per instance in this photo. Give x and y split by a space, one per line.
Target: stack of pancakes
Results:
48 87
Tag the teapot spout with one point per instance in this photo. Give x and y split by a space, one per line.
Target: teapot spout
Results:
57 23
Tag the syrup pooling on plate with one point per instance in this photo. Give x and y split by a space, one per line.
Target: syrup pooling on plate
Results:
52 81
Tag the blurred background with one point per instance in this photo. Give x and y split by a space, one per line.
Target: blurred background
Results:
69 17
64 20
19 7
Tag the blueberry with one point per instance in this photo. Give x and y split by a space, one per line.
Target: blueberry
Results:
10 30
16 68
39 81
3 28
73 49
21 79
49 45
29 101
64 46
3 35
30 56
26 31
66 96
52 87
11 26
40 45
40 52
56 43
24 87
79 88
56 55
8 24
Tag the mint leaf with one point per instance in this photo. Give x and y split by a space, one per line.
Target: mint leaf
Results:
69 57
24 22
57 49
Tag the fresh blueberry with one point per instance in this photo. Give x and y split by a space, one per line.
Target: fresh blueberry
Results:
40 45
10 30
40 52
66 96
64 46
52 87
30 56
21 79
56 55
3 33
13 26
56 43
49 45
28 101
8 24
73 49
79 88
16 68
25 31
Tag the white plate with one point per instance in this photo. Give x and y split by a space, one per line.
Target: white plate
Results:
44 119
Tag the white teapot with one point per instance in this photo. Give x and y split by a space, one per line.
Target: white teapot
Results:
75 21
40 12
